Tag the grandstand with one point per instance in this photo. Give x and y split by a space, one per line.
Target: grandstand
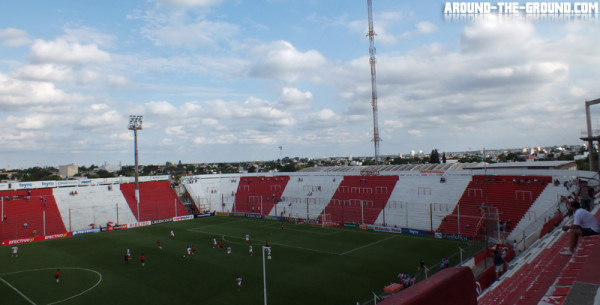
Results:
157 200
29 212
437 198
57 207
448 201
96 205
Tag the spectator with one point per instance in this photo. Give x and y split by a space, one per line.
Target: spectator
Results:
585 194
444 263
498 263
584 224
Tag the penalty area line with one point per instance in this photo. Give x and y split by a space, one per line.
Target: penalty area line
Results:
367 245
17 291
262 241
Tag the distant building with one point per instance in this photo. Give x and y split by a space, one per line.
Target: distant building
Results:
67 171
529 165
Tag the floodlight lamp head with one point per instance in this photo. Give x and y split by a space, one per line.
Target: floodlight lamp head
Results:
135 122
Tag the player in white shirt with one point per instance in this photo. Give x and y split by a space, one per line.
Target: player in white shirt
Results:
238 280
15 251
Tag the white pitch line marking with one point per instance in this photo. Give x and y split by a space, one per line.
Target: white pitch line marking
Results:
17 291
59 301
367 245
272 243
295 247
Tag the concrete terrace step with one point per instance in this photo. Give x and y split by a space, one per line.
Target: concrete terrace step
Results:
530 280
545 277
577 267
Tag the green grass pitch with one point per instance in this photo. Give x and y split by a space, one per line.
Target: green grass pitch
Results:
309 265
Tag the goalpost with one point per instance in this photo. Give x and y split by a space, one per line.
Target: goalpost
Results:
325 220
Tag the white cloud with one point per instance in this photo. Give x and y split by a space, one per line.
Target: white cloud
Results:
161 108
192 3
578 91
17 94
12 37
183 27
393 124
117 81
381 26
256 137
45 72
201 33
218 80
88 35
123 136
294 99
500 73
30 122
497 35
101 118
61 51
325 115
426 27
255 109
415 132
98 107
281 61
325 118
210 122
59 73
175 131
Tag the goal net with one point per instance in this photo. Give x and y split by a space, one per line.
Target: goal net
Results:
325 220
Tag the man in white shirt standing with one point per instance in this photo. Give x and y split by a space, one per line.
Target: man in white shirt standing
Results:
584 224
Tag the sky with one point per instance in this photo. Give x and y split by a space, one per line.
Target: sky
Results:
245 80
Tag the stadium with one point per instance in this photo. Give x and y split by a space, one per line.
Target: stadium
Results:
338 235
377 234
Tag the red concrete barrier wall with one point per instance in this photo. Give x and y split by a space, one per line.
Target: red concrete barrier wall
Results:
449 286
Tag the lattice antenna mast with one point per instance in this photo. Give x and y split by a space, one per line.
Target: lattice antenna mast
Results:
372 60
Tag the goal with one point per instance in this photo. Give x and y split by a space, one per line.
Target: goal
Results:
325 220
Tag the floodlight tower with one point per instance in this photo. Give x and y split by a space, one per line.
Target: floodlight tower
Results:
372 60
280 156
135 124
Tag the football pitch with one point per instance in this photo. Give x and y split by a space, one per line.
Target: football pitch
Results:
310 264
